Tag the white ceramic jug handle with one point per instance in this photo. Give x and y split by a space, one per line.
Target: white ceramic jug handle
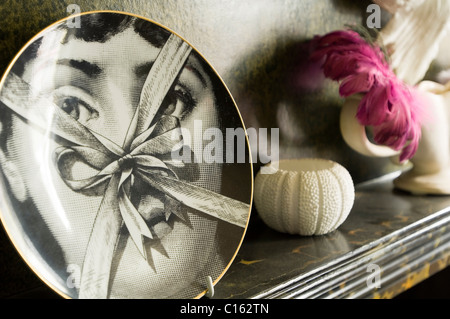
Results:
354 133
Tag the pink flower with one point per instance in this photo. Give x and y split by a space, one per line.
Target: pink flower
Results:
392 108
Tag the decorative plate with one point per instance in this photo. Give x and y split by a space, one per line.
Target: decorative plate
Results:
119 175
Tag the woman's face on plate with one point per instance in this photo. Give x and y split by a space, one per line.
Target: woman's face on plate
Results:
99 84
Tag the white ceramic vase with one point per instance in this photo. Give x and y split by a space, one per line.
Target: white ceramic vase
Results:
430 173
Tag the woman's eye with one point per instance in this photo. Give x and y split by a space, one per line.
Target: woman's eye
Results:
76 102
77 108
178 102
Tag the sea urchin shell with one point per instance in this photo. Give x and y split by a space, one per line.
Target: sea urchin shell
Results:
308 196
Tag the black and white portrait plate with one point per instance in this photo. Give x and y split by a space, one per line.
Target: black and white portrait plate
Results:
125 165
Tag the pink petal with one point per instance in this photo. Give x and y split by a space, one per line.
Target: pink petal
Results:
374 106
337 67
393 109
358 83
341 37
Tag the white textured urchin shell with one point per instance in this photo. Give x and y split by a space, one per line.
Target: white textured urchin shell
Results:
308 196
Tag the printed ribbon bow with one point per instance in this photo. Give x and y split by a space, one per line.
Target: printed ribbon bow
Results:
140 162
141 156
